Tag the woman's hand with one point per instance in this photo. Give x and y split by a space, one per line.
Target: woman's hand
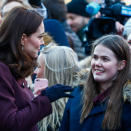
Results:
38 91
57 91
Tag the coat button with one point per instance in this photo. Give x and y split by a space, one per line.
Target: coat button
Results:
23 85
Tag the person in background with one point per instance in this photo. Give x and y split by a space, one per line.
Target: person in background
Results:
129 42
57 70
56 31
104 101
58 11
78 19
0 13
127 29
19 48
7 5
127 33
127 36
0 18
38 5
61 69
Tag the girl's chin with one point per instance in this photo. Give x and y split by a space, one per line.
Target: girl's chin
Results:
98 79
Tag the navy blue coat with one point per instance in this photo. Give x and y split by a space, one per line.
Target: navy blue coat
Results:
93 122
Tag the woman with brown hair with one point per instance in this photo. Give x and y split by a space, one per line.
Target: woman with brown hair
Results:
21 34
104 102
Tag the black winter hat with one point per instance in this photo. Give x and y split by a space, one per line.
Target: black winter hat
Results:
78 7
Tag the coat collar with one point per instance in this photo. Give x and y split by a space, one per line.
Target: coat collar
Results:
127 92
101 107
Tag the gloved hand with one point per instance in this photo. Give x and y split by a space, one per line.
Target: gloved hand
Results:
57 91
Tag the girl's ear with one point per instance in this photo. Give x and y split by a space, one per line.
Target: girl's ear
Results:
122 64
23 38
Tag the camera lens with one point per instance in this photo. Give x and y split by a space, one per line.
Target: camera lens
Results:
105 28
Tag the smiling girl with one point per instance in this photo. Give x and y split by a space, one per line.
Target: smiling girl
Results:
101 106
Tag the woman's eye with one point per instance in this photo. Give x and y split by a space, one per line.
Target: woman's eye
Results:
40 37
95 57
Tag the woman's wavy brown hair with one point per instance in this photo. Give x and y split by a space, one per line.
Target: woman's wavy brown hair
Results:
112 118
17 22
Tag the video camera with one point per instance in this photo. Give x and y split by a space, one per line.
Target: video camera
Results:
115 9
111 11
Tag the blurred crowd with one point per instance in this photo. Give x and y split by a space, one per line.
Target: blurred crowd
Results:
46 39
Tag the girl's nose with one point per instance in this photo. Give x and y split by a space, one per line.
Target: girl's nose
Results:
98 62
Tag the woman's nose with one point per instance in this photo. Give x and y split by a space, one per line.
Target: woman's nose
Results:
42 42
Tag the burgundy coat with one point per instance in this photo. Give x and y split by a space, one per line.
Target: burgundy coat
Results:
19 109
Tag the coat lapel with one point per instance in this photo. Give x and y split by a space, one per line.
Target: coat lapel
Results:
98 108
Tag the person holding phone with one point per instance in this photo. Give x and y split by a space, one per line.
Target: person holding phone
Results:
58 64
104 103
21 34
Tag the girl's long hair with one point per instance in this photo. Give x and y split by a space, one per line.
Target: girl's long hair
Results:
112 118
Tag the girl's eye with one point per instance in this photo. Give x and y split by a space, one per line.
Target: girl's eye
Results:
105 59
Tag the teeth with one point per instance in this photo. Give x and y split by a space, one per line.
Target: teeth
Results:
98 71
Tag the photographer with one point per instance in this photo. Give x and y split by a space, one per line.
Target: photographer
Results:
78 19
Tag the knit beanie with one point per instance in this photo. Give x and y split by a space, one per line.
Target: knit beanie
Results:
127 28
78 7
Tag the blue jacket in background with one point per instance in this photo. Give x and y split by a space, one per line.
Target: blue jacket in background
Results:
55 29
93 122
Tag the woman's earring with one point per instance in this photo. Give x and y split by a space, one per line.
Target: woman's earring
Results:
22 42
22 46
